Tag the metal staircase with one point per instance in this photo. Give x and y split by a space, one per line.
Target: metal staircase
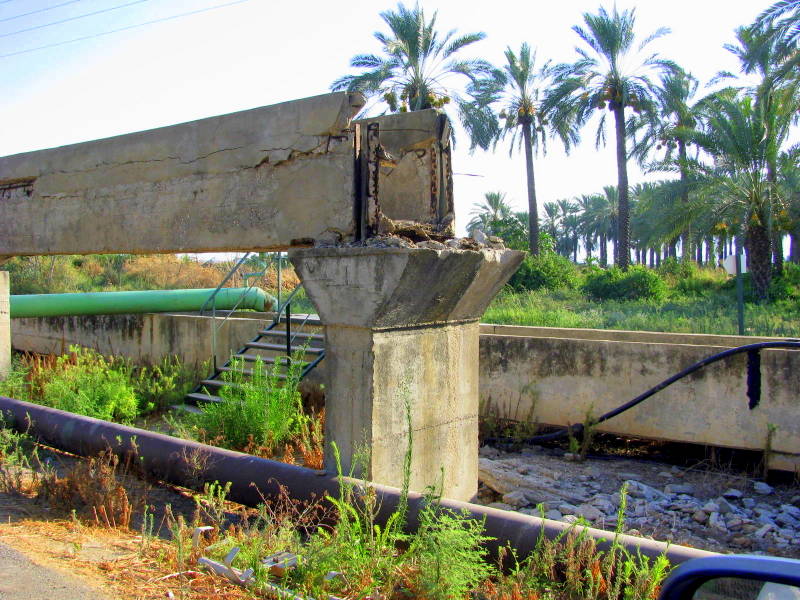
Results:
288 337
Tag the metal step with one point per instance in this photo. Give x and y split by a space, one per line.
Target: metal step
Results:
282 347
188 408
198 397
249 372
300 318
221 383
282 333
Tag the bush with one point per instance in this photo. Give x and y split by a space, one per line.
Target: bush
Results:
677 269
85 383
260 411
548 270
787 285
637 283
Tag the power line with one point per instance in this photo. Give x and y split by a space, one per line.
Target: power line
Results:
88 37
33 12
91 14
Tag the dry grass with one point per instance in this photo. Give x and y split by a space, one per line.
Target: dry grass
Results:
168 271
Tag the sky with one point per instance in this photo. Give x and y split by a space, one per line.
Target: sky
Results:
257 52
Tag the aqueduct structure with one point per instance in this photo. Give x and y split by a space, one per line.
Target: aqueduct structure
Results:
303 176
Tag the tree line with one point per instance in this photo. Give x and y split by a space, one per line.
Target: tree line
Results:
731 173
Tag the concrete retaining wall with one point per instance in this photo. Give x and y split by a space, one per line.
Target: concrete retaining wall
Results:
144 338
556 375
553 374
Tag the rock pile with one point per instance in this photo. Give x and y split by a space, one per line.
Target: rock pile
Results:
709 510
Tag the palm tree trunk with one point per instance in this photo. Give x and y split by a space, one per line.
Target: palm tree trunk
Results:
603 250
687 233
760 258
533 212
623 253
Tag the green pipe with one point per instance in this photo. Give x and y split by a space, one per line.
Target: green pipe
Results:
112 303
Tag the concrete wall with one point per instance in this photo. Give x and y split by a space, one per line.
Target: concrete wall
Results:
5 330
143 338
556 375
256 179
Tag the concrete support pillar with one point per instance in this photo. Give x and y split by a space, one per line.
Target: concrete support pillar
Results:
402 333
5 326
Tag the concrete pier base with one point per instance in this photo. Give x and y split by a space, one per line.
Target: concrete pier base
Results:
402 342
5 326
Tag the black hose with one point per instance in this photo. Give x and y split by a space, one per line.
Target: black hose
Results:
752 349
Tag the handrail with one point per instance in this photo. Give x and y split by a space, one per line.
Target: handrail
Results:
753 388
225 280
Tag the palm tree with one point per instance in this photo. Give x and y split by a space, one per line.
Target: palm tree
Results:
515 93
418 63
669 132
585 230
737 182
600 78
494 208
601 219
783 17
789 169
767 54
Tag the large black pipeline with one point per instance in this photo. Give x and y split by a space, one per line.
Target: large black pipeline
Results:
753 389
190 464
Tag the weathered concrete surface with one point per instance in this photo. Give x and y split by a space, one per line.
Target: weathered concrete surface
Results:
258 179
556 379
5 326
418 186
143 338
401 287
402 331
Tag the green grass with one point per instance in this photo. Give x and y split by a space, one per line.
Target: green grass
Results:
711 311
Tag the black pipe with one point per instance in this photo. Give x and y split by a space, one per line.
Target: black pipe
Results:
190 464
754 389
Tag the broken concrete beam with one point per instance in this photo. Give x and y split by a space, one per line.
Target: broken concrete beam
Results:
260 179
402 331
5 326
415 177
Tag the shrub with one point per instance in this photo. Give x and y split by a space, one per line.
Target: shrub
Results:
678 269
258 410
86 383
787 285
548 270
637 283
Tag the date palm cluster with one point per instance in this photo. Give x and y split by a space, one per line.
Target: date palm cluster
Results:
731 170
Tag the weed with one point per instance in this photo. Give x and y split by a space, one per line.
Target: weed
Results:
94 488
211 503
446 554
514 425
572 566
257 411
87 383
18 457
